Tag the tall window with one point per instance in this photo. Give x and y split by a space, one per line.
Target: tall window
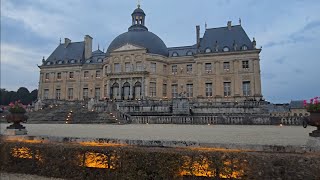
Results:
246 88
70 93
128 67
58 93
153 67
117 68
245 64
208 89
85 93
189 68
71 74
153 89
174 69
189 90
47 76
46 94
98 74
208 67
59 75
165 69
227 89
174 90
97 93
226 66
86 74
139 66
164 90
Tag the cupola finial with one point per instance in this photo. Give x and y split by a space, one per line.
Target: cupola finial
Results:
138 3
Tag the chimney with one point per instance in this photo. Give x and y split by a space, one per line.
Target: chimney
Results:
67 41
87 46
229 25
198 36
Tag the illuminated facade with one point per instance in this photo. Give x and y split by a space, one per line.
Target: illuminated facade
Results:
223 65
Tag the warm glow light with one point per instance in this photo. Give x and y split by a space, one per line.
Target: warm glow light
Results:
97 160
280 125
100 144
25 153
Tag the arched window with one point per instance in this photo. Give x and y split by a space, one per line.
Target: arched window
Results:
226 49
175 54
88 61
244 47
99 60
48 63
60 62
189 53
72 61
208 50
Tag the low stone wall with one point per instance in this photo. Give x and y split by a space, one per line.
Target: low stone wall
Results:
96 161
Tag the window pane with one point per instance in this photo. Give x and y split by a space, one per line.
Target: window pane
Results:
46 94
85 93
174 69
70 93
208 67
128 67
58 93
208 89
98 74
245 64
139 66
71 75
189 68
153 89
153 67
164 90
226 66
227 88
174 90
86 74
189 90
246 88
97 93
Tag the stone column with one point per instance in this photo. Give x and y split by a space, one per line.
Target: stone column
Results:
120 89
131 89
237 85
143 88
218 85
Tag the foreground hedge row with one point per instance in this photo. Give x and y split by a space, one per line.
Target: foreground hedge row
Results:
94 162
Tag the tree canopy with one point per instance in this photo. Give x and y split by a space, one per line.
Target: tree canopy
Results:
23 94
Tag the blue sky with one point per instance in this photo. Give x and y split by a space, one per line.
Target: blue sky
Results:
287 30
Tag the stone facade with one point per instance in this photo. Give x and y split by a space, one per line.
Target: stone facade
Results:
136 70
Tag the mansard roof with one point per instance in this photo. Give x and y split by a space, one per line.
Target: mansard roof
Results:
225 37
296 104
183 50
73 51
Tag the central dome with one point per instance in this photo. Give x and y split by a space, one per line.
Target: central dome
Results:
139 35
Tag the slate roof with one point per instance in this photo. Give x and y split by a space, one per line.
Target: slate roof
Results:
296 104
183 50
225 38
142 38
278 108
74 51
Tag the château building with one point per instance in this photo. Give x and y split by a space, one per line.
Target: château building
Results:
223 65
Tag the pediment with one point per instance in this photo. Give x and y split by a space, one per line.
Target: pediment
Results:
129 47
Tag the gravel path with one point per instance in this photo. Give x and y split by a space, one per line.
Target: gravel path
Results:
11 176
258 135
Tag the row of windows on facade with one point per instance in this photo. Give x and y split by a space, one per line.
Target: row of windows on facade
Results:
153 68
73 61
153 90
209 50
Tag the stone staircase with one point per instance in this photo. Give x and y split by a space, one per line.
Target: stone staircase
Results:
70 114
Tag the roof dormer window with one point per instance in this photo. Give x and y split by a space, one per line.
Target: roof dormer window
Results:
189 53
73 61
207 50
99 60
175 54
88 61
48 63
226 49
60 62
244 48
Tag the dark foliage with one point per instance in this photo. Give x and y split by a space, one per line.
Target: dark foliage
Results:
22 94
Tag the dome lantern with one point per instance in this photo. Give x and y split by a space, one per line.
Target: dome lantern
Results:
138 20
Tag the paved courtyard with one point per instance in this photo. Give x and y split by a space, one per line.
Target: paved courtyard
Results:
225 134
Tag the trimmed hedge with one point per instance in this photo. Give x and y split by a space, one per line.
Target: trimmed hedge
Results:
73 161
